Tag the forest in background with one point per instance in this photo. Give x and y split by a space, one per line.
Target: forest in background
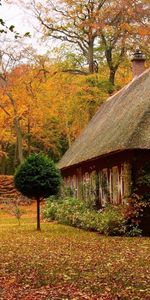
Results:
47 100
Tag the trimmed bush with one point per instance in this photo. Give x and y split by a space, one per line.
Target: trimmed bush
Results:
37 178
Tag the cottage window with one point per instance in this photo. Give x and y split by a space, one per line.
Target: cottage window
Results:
93 185
68 181
74 185
86 186
103 187
115 185
126 180
68 184
121 183
118 184
111 185
79 183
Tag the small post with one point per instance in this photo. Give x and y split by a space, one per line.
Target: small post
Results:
38 214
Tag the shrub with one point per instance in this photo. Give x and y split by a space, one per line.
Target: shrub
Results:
75 213
50 210
131 219
90 220
37 178
112 221
134 231
137 216
66 212
143 181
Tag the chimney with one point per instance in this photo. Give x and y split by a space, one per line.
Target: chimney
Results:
138 63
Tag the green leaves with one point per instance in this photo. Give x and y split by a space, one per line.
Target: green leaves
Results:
11 28
73 212
27 34
37 177
2 22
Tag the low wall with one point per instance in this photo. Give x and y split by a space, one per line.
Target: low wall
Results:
8 193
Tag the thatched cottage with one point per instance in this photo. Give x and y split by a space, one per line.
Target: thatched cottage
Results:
104 160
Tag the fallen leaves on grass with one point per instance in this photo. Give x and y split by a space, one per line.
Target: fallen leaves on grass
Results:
66 263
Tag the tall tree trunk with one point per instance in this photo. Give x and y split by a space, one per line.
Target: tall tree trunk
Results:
19 139
68 133
112 69
112 73
29 136
38 215
17 128
91 56
15 155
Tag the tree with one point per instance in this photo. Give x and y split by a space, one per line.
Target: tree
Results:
37 178
73 22
125 27
18 99
5 96
111 27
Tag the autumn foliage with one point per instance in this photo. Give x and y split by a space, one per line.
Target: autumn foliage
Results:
41 113
46 101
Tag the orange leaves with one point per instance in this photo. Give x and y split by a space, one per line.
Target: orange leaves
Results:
68 263
144 31
126 27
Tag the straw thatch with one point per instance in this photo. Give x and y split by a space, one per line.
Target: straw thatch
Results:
122 122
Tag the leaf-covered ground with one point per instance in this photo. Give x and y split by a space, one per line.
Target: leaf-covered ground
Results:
67 263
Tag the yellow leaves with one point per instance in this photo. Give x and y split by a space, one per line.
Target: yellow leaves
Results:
52 109
126 27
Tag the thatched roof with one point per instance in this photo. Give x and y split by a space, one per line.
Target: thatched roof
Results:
122 122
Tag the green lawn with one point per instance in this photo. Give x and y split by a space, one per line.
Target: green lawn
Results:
67 263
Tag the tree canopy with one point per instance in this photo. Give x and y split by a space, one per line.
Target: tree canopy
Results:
37 178
93 27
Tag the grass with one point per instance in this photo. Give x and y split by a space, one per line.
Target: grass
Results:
62 262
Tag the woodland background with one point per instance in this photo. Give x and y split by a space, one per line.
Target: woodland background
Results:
47 100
